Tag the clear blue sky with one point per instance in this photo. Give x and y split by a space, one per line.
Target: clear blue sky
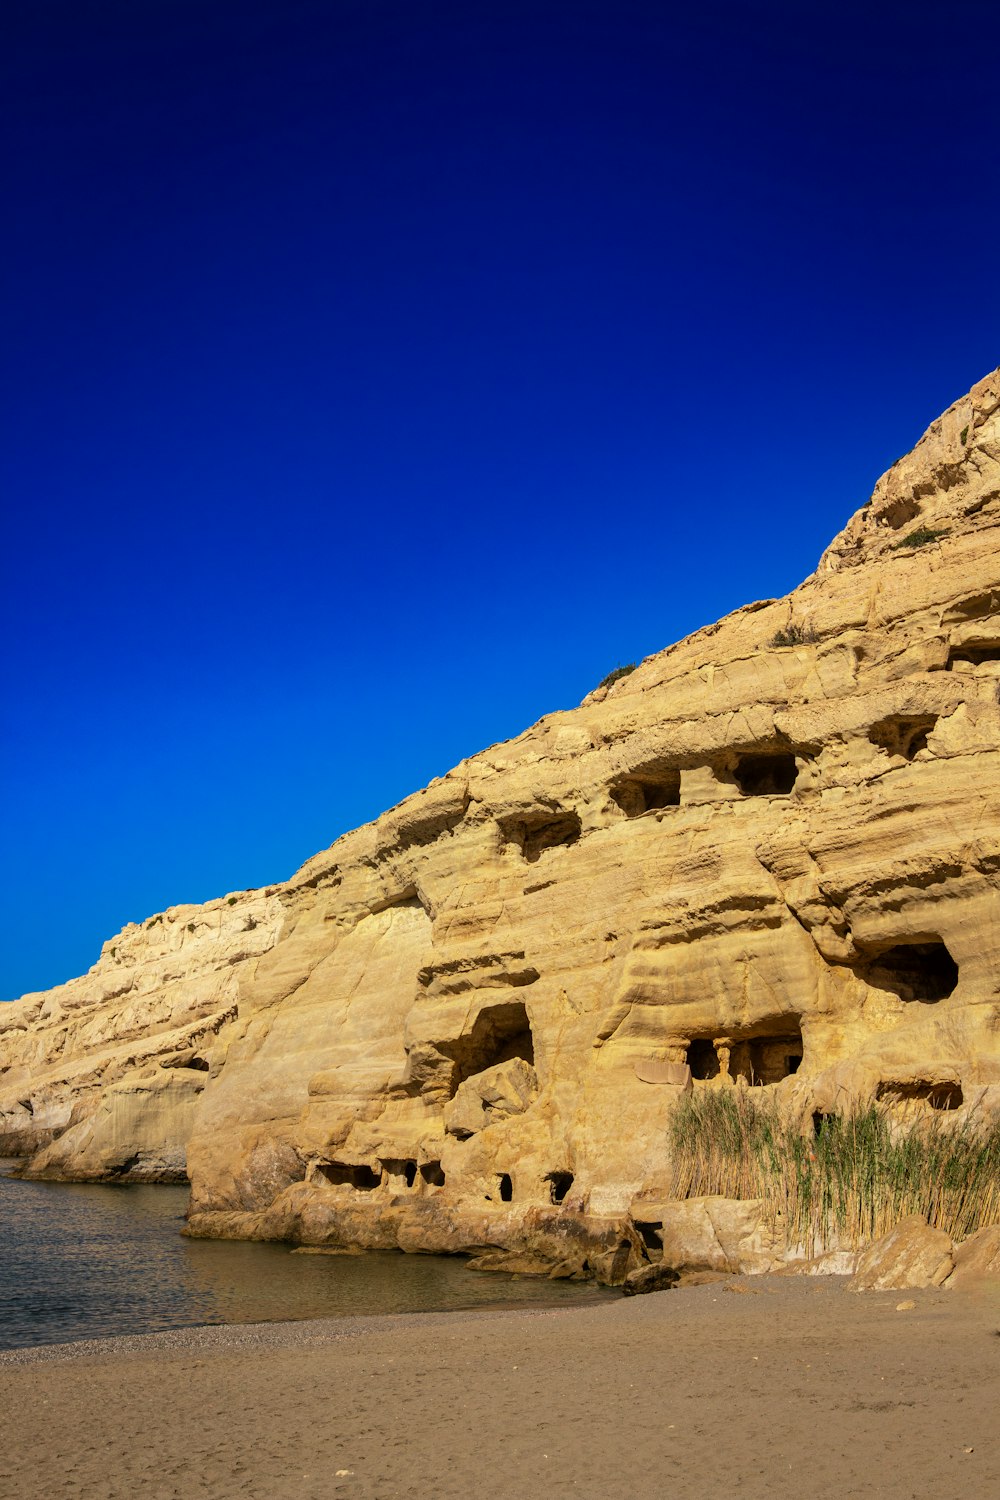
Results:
379 375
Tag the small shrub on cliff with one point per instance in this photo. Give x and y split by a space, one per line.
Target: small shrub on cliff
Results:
920 538
963 435
851 1183
617 674
794 635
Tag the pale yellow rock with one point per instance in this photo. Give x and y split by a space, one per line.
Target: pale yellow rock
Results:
712 1234
770 854
910 1255
977 1259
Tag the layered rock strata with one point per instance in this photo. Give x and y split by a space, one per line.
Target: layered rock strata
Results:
768 858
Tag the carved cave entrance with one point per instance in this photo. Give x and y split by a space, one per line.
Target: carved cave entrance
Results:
640 794
974 653
760 1056
559 1185
405 1169
535 832
499 1033
917 971
348 1174
772 774
903 734
940 1096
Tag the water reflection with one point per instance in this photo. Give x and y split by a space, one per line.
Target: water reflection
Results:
90 1261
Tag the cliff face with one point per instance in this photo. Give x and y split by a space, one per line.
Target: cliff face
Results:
770 854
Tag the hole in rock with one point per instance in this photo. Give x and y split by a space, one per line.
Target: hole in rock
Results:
772 774
559 1185
432 1174
197 1064
702 1059
975 653
636 795
761 1055
938 1095
407 1169
401 1167
922 971
651 1235
534 832
819 1120
506 1187
499 1033
899 513
976 607
903 734
763 1060
347 1174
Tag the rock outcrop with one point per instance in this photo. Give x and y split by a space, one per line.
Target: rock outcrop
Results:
911 1255
769 858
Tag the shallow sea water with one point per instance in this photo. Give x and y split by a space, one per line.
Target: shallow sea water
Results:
80 1262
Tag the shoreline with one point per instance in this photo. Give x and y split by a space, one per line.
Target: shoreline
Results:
765 1387
279 1333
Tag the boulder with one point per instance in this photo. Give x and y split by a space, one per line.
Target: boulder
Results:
977 1259
910 1255
657 1278
714 1234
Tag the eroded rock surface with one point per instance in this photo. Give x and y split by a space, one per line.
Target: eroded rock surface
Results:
770 854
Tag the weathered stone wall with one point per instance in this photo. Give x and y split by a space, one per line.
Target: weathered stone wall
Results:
772 854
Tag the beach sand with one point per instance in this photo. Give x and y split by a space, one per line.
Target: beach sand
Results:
751 1388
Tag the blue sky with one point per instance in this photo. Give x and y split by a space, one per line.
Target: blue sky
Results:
377 376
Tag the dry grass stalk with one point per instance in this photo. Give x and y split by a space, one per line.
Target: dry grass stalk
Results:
847 1185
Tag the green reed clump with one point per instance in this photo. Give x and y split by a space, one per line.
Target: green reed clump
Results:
847 1184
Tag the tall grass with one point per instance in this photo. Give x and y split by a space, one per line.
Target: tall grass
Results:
849 1184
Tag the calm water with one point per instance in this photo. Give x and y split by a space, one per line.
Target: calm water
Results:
86 1262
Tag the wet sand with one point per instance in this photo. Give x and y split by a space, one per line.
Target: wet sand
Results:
749 1388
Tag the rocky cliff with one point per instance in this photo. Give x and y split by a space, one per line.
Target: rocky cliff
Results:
768 858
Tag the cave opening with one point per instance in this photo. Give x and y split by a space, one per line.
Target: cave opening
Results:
899 513
559 1185
535 832
940 1096
915 971
760 1055
432 1174
506 1187
636 795
349 1174
974 653
702 1059
499 1033
903 734
401 1167
772 774
766 1059
651 1234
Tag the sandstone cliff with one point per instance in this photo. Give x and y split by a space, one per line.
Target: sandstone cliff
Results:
768 858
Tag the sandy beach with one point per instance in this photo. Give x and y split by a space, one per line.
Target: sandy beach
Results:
765 1387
